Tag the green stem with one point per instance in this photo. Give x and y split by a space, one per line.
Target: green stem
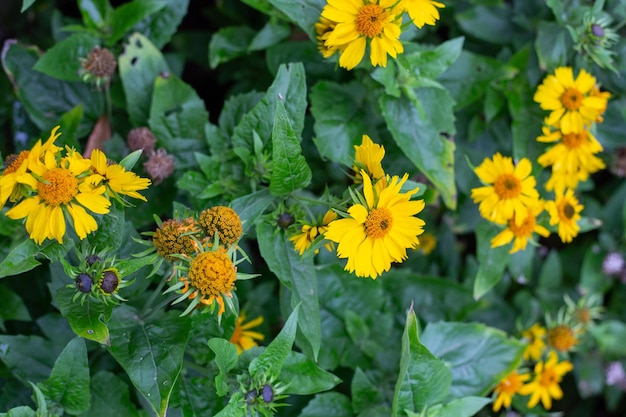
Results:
153 296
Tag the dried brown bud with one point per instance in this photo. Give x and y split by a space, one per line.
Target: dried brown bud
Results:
100 64
159 165
141 138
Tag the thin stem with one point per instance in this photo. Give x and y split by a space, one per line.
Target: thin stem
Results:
154 295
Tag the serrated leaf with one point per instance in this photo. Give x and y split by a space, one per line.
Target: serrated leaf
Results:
492 261
267 366
423 379
63 60
139 66
150 351
290 171
87 320
68 384
226 358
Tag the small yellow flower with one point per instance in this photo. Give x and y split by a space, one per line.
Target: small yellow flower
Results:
323 28
535 335
243 337
545 385
521 233
565 211
507 388
368 157
562 338
422 12
309 232
117 180
428 242
221 220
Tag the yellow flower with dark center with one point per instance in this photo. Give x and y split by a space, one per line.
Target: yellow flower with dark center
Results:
422 12
117 180
243 337
570 101
380 231
562 338
363 22
535 335
221 220
545 385
507 388
323 29
368 157
211 276
511 190
174 237
565 211
521 233
310 231
60 188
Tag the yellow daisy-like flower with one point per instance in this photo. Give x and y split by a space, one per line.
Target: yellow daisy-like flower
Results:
507 388
512 190
368 157
309 232
428 242
323 29
521 233
422 12
545 385
61 188
565 211
562 338
535 335
115 177
570 101
380 231
243 337
363 22
16 180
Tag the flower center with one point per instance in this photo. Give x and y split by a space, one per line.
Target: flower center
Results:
173 237
574 140
507 186
525 229
548 378
572 99
221 220
13 162
378 223
213 273
369 21
562 338
60 187
567 211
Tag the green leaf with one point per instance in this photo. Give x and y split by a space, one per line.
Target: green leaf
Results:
26 5
87 320
269 35
150 350
304 13
251 206
299 276
62 61
95 12
109 397
289 86
290 171
418 132
70 123
339 130
159 27
139 66
492 261
478 356
111 228
332 404
68 384
428 62
305 377
28 358
423 379
365 394
460 407
610 336
226 358
23 257
229 43
22 411
12 307
129 14
268 365
553 45
488 23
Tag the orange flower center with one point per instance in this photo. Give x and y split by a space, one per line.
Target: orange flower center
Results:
60 187
213 273
378 223
572 99
549 377
525 229
574 140
567 211
508 186
13 162
562 338
369 21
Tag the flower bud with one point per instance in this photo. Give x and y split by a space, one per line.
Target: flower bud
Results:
84 283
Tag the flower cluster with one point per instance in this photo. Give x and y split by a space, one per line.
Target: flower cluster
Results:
48 182
349 27
380 224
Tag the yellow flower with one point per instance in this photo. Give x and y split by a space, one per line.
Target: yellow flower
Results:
323 28
243 337
535 335
115 177
507 388
565 211
545 385
428 242
309 232
573 102
562 338
173 237
360 21
61 188
521 233
422 12
221 220
379 229
368 157
512 192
